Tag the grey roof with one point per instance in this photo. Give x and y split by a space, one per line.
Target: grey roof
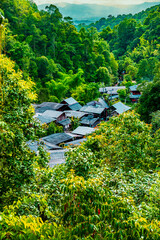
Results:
75 106
57 138
92 109
133 88
33 145
111 90
65 122
57 157
89 120
70 101
121 108
76 142
83 130
76 114
41 108
45 119
52 113
113 97
103 103
134 96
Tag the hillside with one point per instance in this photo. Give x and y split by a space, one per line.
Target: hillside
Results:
108 187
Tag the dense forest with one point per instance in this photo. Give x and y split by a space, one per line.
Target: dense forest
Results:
109 186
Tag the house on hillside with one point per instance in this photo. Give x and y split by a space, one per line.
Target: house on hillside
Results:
58 138
75 114
90 121
41 108
34 145
83 131
100 112
112 91
59 116
134 93
72 104
44 119
65 123
118 108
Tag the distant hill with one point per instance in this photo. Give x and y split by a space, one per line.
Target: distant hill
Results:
92 12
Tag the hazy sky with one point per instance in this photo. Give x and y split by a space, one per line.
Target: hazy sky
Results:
110 2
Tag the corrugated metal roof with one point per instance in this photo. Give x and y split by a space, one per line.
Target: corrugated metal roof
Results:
41 108
90 121
57 157
133 88
65 122
111 90
70 101
92 109
121 108
45 119
33 145
76 142
52 113
57 138
75 106
83 130
103 103
76 114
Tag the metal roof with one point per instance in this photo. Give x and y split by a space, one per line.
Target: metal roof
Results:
76 142
90 121
70 101
52 113
133 88
92 109
134 96
57 138
65 122
111 90
75 106
121 108
57 157
83 130
103 103
76 114
41 108
45 119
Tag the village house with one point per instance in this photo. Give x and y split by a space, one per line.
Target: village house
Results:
100 112
90 121
112 91
59 116
134 93
75 114
118 108
58 138
72 104
83 131
65 123
41 108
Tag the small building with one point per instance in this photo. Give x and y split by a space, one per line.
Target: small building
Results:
75 142
90 121
57 157
100 112
112 91
118 108
44 119
66 123
83 131
75 114
134 93
72 104
100 103
59 116
41 108
34 145
58 138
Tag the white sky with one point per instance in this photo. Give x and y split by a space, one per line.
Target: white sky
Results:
104 2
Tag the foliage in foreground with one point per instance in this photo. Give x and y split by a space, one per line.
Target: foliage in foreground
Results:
108 189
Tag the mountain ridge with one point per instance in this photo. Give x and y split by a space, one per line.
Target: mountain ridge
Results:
96 11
